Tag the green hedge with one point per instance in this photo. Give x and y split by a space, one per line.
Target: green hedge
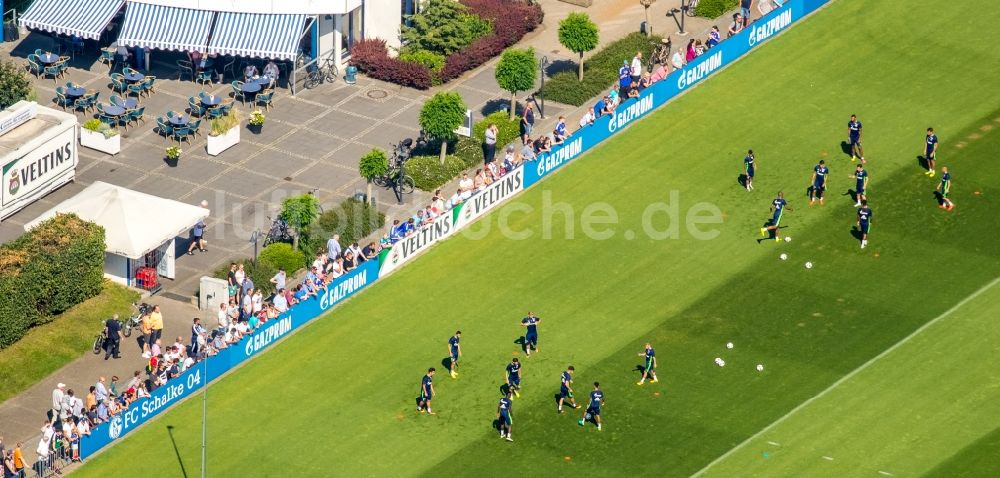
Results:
714 8
600 72
353 220
428 173
260 273
470 150
58 264
282 256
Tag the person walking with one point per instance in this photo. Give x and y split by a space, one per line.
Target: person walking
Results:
490 144
156 323
113 331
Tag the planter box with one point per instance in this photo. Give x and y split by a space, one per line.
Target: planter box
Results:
217 144
95 140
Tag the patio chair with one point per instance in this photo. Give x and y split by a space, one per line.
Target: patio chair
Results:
184 67
116 100
195 106
39 52
87 101
227 105
106 118
137 89
170 114
52 71
64 59
136 115
129 71
61 98
195 125
163 127
182 133
108 57
215 112
118 83
204 77
34 67
264 99
238 90
230 67
147 84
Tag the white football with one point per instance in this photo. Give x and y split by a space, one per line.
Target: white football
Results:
809 265
783 256
760 367
720 362
788 238
729 345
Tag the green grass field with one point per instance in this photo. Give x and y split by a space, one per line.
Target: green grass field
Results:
336 399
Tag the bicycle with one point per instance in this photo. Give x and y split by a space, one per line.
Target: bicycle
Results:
135 320
692 5
661 53
100 340
396 176
327 73
278 232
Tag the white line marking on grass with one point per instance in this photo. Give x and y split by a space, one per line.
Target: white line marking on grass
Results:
827 458
850 375
774 443
886 473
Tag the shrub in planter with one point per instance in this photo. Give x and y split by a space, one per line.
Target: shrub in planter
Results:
714 8
352 219
429 174
282 256
98 126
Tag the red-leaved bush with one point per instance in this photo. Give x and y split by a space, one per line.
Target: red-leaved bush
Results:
512 19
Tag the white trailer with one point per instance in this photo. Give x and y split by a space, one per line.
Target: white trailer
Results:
38 153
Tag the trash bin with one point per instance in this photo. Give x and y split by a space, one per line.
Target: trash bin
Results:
351 74
644 29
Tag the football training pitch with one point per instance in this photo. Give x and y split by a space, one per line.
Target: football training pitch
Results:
877 362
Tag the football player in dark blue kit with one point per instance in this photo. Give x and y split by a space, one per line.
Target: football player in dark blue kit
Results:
594 409
864 222
650 369
818 182
778 207
454 351
531 335
749 168
504 410
854 133
426 392
930 151
860 186
566 388
513 377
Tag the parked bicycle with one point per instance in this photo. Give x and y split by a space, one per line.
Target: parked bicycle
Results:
100 339
318 74
661 53
396 177
692 5
135 320
278 232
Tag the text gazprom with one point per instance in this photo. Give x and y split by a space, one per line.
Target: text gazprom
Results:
700 71
263 338
625 116
762 32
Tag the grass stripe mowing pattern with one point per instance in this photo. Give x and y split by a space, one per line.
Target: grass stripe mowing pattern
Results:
337 398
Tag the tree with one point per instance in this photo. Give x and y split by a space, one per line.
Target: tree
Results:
441 116
516 72
300 212
443 27
579 35
373 164
14 84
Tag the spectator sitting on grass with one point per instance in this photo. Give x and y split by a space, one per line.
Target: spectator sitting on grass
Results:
509 158
677 60
527 153
466 184
714 37
659 74
559 134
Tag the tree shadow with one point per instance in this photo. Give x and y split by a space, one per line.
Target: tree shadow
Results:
180 461
559 66
497 104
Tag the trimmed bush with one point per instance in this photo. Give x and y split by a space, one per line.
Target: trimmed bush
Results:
372 58
282 256
470 150
366 52
429 174
429 59
353 220
55 266
600 72
260 273
714 8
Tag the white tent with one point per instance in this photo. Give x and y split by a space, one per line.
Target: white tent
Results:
135 225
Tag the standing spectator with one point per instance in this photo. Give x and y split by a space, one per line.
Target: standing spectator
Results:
19 463
156 323
359 255
146 328
91 398
248 286
196 331
490 143
234 286
587 119
745 11
714 38
113 329
690 53
223 314
527 122
677 60
257 301
280 301
43 447
624 77
279 279
527 153
57 400
466 184
101 391
239 276
636 69
67 406
333 247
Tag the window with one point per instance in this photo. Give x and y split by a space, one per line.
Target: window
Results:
352 30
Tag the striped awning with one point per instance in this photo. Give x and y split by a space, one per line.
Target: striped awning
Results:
83 18
257 35
165 28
